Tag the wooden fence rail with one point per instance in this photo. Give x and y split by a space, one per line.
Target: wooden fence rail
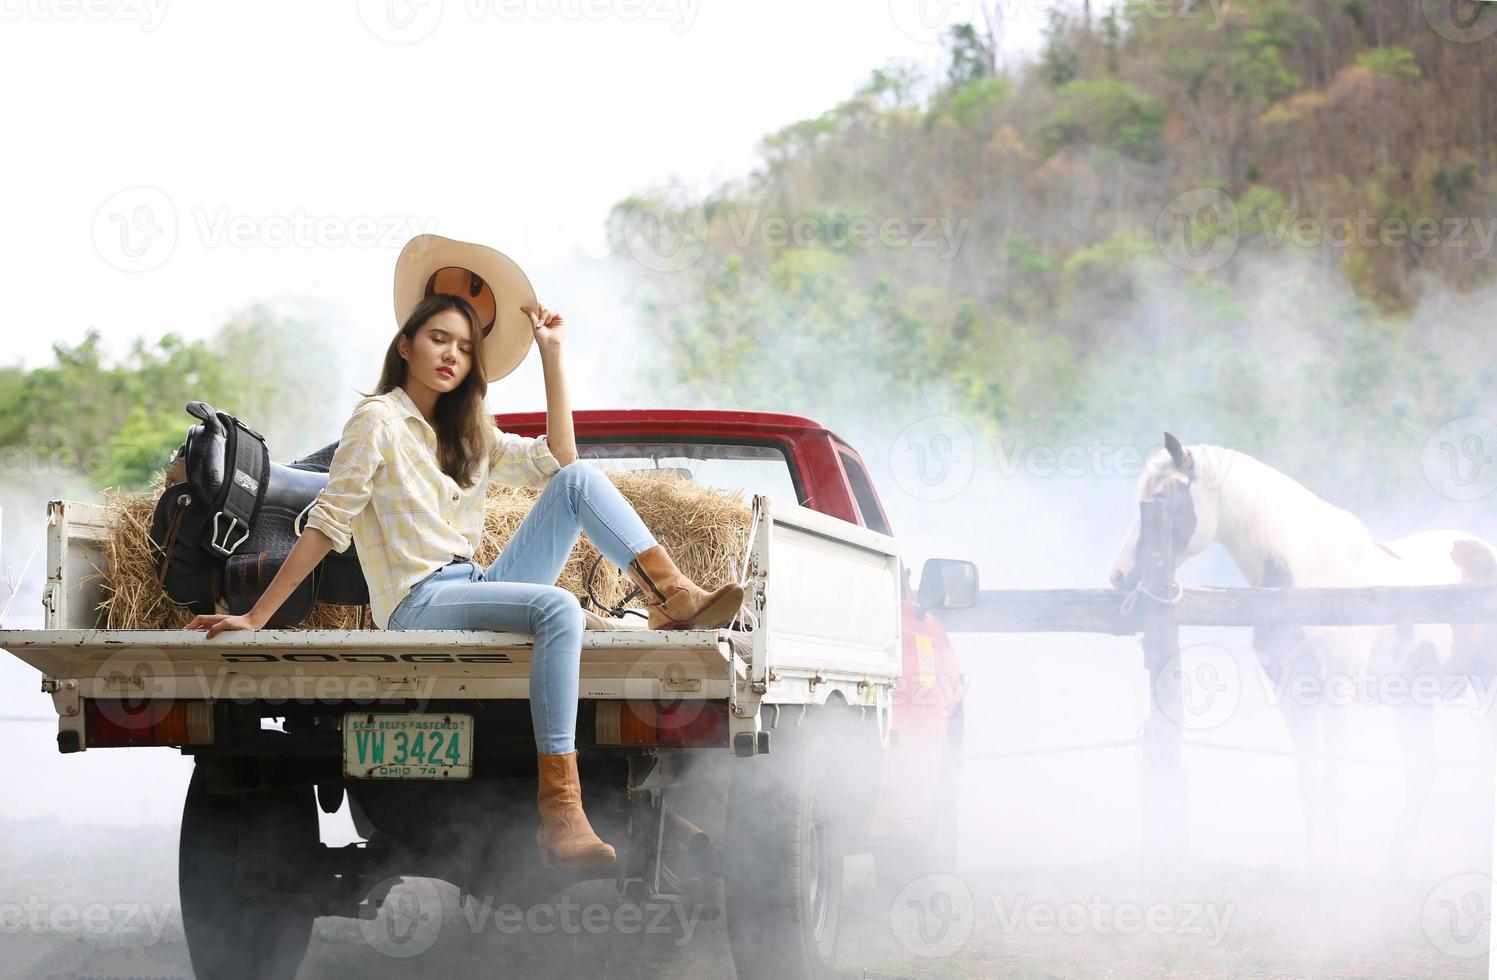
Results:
1100 610
1161 607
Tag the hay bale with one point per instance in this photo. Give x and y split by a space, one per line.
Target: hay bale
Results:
705 530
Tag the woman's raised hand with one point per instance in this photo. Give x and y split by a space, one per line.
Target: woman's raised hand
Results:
548 324
216 623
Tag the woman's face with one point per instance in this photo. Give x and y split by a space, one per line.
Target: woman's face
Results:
442 352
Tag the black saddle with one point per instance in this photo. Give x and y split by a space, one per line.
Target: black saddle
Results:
226 527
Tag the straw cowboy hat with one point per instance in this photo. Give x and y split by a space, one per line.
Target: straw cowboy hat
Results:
486 278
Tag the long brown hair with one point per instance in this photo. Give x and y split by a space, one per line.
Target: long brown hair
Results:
460 416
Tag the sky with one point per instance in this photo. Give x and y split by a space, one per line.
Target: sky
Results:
171 164
182 161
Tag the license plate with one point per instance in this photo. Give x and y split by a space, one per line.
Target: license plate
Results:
407 746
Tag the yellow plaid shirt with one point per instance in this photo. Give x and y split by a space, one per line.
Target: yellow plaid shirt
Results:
386 492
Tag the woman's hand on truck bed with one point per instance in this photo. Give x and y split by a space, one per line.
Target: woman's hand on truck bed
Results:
216 623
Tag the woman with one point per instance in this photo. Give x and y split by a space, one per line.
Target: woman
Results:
407 483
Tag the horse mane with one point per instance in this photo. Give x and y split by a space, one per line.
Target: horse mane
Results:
1265 514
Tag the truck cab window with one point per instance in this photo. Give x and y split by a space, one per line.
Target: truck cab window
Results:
862 491
745 468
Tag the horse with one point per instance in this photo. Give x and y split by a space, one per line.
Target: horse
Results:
1281 534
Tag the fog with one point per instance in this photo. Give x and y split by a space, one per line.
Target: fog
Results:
1043 826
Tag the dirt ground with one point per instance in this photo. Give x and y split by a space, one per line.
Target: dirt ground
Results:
1031 924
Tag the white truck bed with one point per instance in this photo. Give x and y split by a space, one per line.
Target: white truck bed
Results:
825 596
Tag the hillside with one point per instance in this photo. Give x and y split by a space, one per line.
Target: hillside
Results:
1263 220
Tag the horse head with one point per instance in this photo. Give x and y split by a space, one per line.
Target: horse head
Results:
1174 475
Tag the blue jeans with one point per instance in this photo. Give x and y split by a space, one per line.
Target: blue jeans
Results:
518 591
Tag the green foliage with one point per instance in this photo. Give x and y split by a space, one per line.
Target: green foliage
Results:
1260 211
972 56
116 424
1112 38
1107 113
1256 73
1189 68
1454 181
1391 62
973 103
1059 57
1105 271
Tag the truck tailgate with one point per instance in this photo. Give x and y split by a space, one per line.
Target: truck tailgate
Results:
630 663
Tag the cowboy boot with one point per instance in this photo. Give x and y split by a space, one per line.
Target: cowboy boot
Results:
676 602
565 837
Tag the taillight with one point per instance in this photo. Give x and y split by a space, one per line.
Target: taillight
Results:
112 723
669 724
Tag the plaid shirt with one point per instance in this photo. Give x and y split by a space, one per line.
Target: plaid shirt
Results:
386 491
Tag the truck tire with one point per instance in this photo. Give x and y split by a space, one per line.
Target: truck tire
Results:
232 936
895 865
783 875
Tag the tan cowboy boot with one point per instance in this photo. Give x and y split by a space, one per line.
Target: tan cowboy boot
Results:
676 602
565 837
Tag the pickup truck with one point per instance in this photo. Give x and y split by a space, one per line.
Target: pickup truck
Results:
732 768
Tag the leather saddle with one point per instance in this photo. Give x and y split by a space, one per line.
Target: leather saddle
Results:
226 524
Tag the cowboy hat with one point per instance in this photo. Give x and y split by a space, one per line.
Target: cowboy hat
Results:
486 278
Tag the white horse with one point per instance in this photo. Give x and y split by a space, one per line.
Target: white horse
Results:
1279 534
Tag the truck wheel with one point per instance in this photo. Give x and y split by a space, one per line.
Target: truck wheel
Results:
783 874
933 852
232 936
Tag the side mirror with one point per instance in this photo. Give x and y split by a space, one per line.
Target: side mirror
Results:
947 583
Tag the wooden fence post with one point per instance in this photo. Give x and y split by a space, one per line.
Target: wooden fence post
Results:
1166 824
